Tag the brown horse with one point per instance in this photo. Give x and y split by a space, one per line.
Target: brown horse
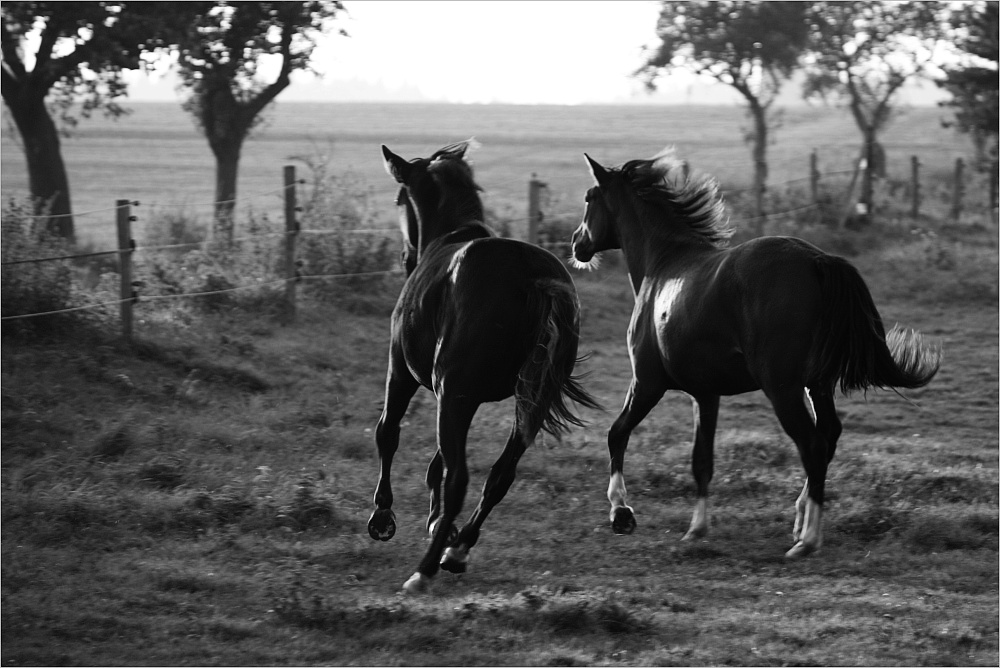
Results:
775 314
479 319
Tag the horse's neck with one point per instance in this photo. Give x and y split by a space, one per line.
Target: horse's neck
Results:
449 218
651 246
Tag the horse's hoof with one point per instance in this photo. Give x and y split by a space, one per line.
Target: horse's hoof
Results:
623 521
455 561
694 534
382 524
800 550
418 585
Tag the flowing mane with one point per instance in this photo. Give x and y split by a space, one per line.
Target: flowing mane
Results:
695 201
459 192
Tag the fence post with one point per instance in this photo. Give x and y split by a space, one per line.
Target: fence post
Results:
125 248
915 185
291 236
534 207
958 191
814 176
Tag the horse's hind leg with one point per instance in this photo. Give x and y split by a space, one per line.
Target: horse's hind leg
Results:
638 402
815 453
454 417
435 474
497 484
824 414
399 389
706 414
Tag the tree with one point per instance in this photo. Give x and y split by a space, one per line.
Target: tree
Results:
82 49
222 60
863 52
751 46
973 82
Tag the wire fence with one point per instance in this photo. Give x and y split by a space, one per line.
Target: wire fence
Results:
293 274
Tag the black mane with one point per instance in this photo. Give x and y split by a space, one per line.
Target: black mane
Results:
695 201
459 191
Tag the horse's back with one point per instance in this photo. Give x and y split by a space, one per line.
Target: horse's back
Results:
722 321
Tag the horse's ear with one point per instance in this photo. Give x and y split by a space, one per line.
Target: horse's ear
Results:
600 174
397 167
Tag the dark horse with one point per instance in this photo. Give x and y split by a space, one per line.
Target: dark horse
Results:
775 314
479 319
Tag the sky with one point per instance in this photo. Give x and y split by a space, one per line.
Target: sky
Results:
485 51
477 51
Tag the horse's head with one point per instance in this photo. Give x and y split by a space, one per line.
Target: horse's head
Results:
439 192
597 231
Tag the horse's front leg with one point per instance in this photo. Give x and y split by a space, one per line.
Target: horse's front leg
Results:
399 389
454 418
639 400
706 414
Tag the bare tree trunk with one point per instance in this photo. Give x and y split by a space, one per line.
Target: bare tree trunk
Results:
47 177
227 166
759 161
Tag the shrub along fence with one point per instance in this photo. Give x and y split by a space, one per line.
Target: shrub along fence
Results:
289 276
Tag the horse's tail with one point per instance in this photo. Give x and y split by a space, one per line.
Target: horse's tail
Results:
852 346
546 381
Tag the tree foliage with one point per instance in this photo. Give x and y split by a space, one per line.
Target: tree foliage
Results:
751 46
864 52
224 59
74 67
973 83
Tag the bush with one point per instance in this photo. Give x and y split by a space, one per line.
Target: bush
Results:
345 240
245 275
42 287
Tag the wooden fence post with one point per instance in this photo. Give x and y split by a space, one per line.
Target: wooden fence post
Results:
994 178
125 248
535 214
915 186
814 176
958 191
291 236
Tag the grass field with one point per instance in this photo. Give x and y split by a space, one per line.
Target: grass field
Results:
201 498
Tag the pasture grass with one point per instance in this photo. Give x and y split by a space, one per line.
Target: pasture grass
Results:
201 496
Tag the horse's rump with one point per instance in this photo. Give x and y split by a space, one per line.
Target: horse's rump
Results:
505 318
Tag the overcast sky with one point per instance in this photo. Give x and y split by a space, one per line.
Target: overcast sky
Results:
481 51
539 52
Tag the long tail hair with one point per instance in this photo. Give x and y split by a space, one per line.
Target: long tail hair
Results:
852 346
546 381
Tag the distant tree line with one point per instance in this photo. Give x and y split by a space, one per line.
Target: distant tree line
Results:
856 53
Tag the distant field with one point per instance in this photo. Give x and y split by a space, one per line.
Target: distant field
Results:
157 156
